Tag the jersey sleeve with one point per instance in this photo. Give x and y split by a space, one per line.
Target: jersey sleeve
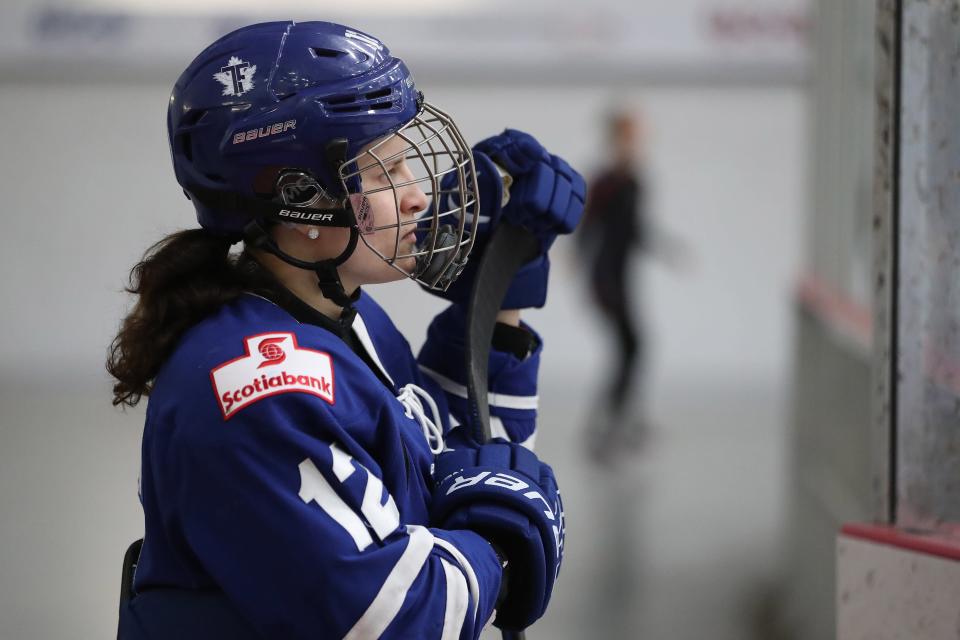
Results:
511 381
292 520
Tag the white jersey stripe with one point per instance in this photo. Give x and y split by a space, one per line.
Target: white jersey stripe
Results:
497 430
389 599
468 572
502 400
457 599
360 328
530 442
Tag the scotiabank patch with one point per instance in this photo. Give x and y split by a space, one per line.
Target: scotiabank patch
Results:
273 364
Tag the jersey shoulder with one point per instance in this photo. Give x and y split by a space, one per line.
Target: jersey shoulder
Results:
252 352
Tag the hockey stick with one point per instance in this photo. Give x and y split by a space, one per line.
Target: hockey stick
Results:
510 247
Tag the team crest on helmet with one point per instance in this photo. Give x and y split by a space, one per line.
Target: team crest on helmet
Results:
236 76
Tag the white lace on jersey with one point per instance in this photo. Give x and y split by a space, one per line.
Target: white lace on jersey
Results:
410 397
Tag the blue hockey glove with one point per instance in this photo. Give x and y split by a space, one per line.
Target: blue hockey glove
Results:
503 492
546 197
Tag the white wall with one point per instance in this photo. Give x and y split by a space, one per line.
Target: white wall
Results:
87 186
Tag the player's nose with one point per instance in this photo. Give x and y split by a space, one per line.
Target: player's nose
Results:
413 200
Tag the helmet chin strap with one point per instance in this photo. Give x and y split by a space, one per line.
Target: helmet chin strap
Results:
328 278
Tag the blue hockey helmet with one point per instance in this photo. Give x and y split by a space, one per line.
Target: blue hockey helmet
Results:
274 118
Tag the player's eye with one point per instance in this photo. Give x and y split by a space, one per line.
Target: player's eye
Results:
392 170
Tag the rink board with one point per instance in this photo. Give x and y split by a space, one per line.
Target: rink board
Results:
896 585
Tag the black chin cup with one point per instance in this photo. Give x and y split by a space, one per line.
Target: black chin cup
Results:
440 271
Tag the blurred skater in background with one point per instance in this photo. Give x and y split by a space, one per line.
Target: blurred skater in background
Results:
615 229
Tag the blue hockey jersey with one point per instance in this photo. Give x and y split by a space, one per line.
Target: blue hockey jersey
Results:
286 470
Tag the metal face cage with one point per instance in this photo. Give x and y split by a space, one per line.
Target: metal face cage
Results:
429 244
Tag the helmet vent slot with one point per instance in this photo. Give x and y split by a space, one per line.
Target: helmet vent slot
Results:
186 145
382 93
353 108
344 99
319 52
214 177
192 118
184 138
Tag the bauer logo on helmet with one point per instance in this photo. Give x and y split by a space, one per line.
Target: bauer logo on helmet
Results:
263 132
307 217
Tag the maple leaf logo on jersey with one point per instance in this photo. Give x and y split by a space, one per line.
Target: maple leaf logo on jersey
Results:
240 383
236 76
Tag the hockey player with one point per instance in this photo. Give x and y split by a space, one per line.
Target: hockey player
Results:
301 473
